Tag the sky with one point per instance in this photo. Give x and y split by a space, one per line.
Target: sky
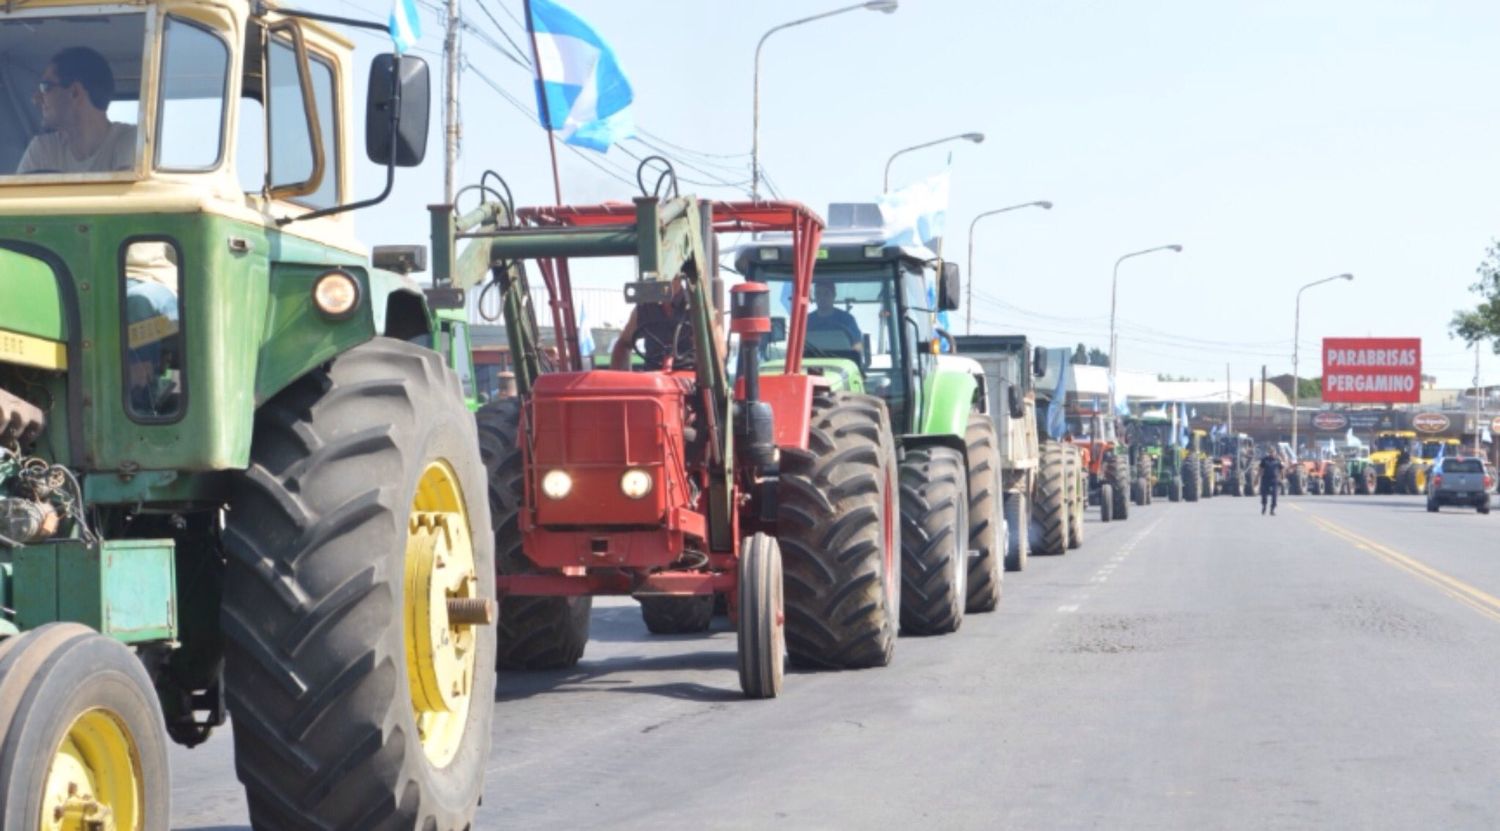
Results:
1279 142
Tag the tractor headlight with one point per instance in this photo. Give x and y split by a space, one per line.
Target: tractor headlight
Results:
336 294
557 484
635 483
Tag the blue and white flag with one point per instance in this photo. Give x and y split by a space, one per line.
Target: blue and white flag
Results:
585 338
916 214
581 92
1184 434
405 25
1057 419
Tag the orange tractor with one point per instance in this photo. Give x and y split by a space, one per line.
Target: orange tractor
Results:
671 482
1093 434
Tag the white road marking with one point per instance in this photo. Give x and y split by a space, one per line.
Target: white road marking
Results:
1070 608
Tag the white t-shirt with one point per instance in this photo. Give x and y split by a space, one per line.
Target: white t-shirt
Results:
48 153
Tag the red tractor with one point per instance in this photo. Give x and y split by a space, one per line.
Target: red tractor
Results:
670 482
1109 480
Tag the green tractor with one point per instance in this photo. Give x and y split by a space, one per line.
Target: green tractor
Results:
232 481
1170 472
873 326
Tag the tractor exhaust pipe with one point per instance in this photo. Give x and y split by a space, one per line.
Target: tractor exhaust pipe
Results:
750 318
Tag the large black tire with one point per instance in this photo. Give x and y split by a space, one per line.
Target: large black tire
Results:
1364 482
986 516
1406 480
52 676
1209 479
315 614
761 627
838 518
934 540
677 615
1119 480
1294 484
1078 495
533 632
1175 490
1050 519
1106 502
1017 531
1192 482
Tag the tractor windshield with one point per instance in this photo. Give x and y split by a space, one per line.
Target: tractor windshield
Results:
853 317
1155 434
70 95
1392 443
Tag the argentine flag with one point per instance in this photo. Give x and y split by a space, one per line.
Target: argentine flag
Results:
581 92
916 214
405 25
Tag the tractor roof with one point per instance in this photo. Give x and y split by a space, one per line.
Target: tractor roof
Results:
841 246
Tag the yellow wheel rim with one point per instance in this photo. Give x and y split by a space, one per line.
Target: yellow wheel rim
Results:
94 780
440 654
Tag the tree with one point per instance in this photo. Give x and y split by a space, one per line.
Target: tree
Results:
1483 322
1080 355
1098 357
1309 388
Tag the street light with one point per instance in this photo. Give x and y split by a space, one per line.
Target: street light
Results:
1296 333
1114 288
969 312
977 138
887 6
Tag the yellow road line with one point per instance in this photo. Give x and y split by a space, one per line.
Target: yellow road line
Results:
1477 599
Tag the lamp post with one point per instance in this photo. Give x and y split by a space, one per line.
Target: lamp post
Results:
885 185
969 275
1296 333
887 6
1114 289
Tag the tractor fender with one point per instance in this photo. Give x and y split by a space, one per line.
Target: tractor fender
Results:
948 398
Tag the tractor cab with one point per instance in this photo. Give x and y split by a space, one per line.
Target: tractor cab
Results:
873 322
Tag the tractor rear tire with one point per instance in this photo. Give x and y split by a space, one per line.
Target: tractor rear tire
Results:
1175 490
934 541
1017 531
1119 480
677 615
1078 499
1294 484
1332 485
761 630
1051 514
986 517
1106 502
838 521
1191 482
66 690
360 511
534 633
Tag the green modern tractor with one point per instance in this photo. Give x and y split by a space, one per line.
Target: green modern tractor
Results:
1156 450
232 480
874 319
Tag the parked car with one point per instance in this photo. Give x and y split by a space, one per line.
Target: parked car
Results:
1460 482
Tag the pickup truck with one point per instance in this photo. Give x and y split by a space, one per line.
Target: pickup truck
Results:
1459 482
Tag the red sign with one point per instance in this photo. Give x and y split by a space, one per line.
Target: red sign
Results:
1329 420
1372 370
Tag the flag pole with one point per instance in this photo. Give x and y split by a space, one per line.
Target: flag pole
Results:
536 60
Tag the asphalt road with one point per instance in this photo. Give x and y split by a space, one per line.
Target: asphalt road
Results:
1195 666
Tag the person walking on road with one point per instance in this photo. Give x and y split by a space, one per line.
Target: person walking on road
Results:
1270 479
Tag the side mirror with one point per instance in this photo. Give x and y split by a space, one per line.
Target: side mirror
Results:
949 288
778 330
1039 361
1014 402
400 84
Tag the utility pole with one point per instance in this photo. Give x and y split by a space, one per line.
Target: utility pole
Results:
450 102
1478 400
1228 403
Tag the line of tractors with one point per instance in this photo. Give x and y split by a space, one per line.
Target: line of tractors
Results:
243 472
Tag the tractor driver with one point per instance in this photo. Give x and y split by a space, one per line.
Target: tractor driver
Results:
827 317
73 96
664 330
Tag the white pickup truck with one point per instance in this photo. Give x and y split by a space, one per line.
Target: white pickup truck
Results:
1459 482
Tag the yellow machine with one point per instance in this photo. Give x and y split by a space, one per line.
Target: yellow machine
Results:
1392 458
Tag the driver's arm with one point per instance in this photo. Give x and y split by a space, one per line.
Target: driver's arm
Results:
624 348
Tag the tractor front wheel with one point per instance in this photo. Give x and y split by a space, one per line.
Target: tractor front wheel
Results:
762 618
1106 502
359 589
534 632
1190 481
1119 480
82 742
1017 530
